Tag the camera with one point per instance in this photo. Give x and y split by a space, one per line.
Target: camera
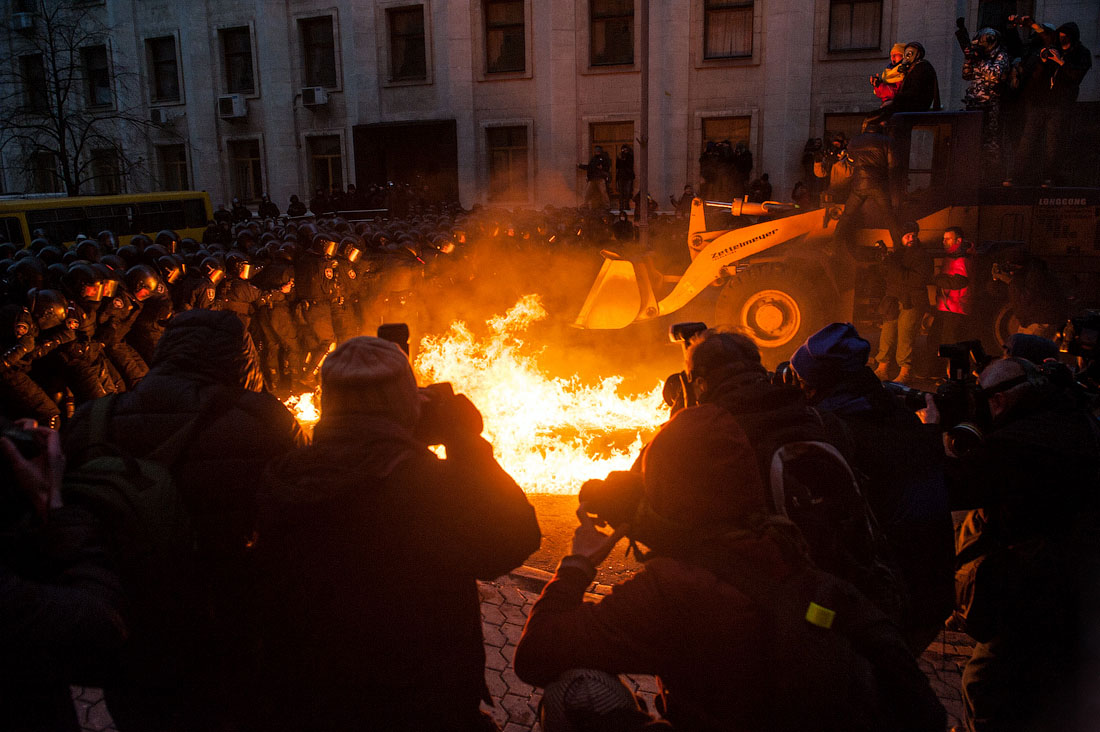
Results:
677 392
444 414
963 406
615 499
395 333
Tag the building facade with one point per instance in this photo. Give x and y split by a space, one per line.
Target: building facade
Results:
496 101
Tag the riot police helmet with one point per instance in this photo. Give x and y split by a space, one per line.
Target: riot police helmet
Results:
170 270
323 245
55 276
108 278
351 249
7 250
47 307
51 254
212 269
168 239
143 282
140 241
82 283
88 250
237 265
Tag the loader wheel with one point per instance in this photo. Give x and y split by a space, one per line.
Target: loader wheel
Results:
777 308
1004 324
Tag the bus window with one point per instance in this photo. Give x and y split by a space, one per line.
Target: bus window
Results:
60 224
11 228
194 211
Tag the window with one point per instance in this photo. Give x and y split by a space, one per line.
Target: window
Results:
612 32
507 163
173 167
44 177
32 71
318 51
994 13
727 28
237 52
97 76
850 123
855 25
245 175
504 36
734 129
106 180
326 163
163 69
407 52
610 136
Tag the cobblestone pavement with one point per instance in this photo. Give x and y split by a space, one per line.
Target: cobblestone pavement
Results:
505 604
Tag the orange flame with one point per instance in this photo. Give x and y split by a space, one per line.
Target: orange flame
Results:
550 434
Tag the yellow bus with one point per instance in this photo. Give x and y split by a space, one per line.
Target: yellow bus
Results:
127 214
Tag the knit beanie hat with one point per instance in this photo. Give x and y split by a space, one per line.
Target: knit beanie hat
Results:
700 469
910 227
367 375
834 350
897 48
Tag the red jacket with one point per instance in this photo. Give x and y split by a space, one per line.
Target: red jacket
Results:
954 293
701 635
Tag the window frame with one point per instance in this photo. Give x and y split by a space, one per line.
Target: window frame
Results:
739 5
305 47
631 24
231 180
528 181
882 22
152 65
309 139
163 166
87 77
34 170
489 29
224 57
35 96
390 13
114 160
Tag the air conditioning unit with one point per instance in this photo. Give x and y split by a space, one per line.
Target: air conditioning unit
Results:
161 116
232 106
314 96
22 21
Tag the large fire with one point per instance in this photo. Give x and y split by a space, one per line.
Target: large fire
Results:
551 434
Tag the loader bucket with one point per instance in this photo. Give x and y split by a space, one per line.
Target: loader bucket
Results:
615 298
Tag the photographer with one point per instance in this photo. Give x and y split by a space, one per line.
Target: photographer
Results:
900 462
718 610
371 547
59 594
1049 96
1027 554
986 67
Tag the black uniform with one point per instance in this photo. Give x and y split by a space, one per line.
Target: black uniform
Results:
116 318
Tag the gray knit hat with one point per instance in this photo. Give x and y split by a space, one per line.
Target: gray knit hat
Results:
368 375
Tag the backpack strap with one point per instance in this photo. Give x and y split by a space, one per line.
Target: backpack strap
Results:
786 452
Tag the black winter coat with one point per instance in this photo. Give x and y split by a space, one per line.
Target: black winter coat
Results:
373 547
204 355
919 91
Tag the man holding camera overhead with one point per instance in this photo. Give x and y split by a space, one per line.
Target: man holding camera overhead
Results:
373 547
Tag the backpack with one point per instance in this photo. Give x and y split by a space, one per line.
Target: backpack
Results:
149 528
834 661
810 482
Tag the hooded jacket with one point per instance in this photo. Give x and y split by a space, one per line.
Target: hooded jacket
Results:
372 548
1066 78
